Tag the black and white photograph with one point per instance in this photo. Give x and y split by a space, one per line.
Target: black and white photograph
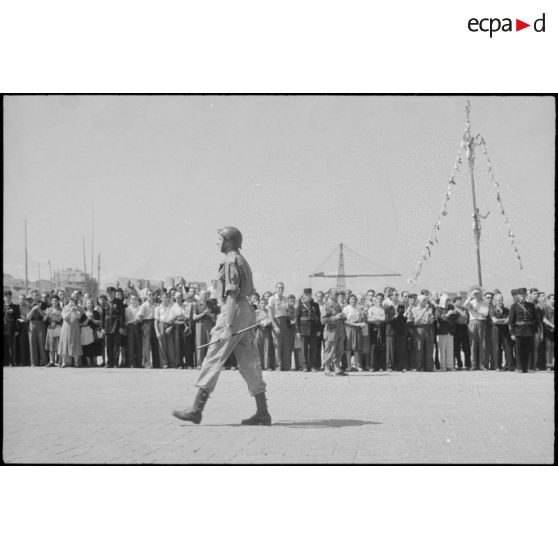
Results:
278 279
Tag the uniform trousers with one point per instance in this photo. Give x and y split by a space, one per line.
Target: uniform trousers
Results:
243 346
333 351
501 342
524 349
22 342
10 347
281 343
445 348
133 338
461 343
309 350
477 340
113 348
37 338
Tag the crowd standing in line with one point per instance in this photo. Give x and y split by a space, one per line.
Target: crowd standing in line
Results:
335 332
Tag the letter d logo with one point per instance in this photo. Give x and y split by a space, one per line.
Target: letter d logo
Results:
539 24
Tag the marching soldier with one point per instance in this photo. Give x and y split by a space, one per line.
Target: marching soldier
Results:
237 313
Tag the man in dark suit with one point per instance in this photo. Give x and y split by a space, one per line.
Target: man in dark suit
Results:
112 322
11 317
522 319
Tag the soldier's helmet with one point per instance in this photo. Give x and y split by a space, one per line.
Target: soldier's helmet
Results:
233 235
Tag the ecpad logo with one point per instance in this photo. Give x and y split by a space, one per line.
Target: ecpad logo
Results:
493 25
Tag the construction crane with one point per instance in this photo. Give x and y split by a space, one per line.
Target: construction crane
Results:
341 275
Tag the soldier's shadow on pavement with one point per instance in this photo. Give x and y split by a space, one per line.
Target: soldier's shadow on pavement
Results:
325 423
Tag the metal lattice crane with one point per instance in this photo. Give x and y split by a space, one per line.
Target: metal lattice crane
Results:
341 275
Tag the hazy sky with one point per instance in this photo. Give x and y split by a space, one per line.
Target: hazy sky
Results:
296 174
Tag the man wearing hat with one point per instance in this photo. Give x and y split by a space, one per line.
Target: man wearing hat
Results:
478 314
522 320
236 314
308 322
11 317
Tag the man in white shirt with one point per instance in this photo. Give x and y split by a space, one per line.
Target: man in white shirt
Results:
164 331
133 332
279 315
180 317
478 314
149 349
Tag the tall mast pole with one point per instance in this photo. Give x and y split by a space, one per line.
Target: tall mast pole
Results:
50 276
26 275
92 237
84 266
470 145
98 273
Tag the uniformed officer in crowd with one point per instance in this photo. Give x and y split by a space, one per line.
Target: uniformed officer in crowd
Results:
236 314
113 322
522 319
11 317
308 329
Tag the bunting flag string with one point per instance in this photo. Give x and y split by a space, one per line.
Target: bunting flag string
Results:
511 234
426 252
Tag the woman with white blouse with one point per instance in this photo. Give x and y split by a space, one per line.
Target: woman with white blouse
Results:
353 332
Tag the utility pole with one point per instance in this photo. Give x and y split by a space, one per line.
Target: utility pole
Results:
26 275
341 270
470 146
51 278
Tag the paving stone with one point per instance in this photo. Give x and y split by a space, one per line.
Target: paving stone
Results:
124 416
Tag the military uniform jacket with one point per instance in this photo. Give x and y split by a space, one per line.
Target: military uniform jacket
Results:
333 329
11 316
235 276
308 318
522 319
113 317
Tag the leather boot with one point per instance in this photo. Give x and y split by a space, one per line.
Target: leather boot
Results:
195 413
262 415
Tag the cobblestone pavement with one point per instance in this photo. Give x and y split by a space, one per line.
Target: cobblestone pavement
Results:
124 416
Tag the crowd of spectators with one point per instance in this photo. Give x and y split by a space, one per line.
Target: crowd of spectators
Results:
335 332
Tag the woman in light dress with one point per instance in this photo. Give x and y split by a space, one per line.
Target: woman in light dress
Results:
69 347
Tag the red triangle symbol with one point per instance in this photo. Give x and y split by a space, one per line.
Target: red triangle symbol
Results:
519 25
